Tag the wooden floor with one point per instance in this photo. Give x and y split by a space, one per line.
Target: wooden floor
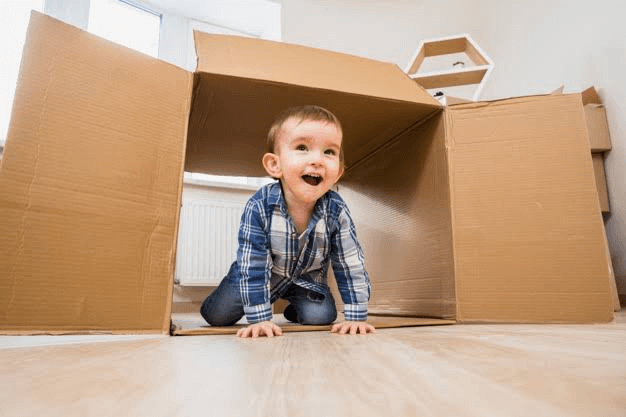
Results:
458 370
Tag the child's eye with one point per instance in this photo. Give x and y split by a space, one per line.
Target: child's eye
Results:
330 152
301 148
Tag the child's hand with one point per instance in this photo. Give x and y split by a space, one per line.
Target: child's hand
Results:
255 330
353 327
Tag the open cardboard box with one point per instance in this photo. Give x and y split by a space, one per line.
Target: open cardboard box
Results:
481 212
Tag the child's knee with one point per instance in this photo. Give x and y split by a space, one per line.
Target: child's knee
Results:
219 320
317 315
215 317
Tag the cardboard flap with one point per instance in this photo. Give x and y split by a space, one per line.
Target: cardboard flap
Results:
528 230
590 96
90 185
600 176
453 101
304 66
597 128
194 324
242 84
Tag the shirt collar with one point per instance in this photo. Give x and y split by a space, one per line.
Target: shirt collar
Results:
276 198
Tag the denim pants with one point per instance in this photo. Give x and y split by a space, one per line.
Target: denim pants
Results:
223 307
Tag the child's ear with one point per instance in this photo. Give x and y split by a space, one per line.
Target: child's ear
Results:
340 174
272 165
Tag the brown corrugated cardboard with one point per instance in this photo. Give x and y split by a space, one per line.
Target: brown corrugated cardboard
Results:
527 228
452 101
447 100
600 141
303 66
90 184
597 125
262 78
598 128
497 256
603 191
590 96
462 214
379 118
194 325
400 200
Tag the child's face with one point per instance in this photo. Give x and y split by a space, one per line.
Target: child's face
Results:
307 159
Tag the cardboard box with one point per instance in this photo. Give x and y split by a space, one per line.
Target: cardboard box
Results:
597 125
481 212
603 191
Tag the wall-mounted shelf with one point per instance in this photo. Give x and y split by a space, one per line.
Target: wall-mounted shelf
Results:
475 74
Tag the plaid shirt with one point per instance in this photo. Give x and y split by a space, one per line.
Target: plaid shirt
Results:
269 258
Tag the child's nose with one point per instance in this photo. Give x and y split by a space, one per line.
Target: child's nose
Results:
316 158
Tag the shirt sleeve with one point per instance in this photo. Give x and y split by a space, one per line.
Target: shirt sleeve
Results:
255 265
348 263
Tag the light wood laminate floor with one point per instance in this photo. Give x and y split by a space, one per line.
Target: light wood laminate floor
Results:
458 370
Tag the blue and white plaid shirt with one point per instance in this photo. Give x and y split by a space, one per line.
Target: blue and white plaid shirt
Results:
269 258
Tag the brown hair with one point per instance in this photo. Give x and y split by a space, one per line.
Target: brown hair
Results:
301 113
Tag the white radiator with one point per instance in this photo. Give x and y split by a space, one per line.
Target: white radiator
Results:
207 241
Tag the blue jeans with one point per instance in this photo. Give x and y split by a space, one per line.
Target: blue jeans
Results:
223 307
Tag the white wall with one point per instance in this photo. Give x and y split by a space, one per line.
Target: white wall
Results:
536 45
386 30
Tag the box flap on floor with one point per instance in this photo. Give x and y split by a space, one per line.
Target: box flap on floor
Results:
193 324
90 185
305 66
528 240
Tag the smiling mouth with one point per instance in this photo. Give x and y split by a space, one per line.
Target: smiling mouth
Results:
312 179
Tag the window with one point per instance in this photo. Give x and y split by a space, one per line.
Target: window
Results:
126 23
13 23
